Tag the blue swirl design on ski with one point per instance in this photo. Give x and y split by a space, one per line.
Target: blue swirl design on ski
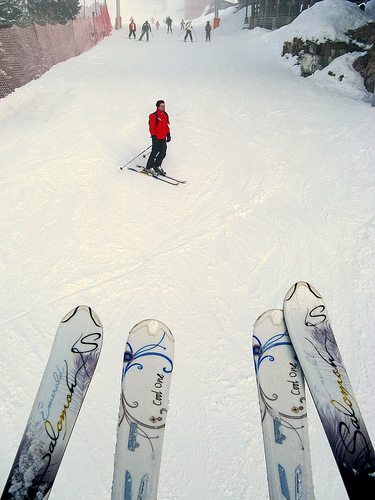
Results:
284 420
147 350
259 350
134 360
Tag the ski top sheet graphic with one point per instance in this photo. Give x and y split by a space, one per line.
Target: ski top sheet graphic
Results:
310 330
146 378
70 367
281 391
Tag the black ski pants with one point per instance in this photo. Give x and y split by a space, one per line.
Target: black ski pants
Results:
144 33
188 33
158 153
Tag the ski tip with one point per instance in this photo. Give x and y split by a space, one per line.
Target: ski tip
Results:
92 314
291 291
94 317
301 287
154 327
275 316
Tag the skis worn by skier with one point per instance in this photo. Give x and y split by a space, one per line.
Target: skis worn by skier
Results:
160 134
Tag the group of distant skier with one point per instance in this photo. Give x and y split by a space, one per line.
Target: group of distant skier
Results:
146 29
187 27
159 120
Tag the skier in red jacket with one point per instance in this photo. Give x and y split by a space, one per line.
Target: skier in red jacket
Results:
132 28
160 133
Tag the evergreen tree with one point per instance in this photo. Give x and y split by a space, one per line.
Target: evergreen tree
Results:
69 9
53 11
10 12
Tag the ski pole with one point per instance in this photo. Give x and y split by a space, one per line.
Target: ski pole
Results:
135 157
195 34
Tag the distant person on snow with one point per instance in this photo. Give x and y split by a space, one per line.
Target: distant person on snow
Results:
132 29
169 24
160 134
146 28
188 29
182 24
208 29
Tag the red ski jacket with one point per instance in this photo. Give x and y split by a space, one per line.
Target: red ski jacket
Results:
159 124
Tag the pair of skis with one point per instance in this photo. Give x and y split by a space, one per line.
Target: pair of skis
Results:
160 177
288 346
146 377
142 170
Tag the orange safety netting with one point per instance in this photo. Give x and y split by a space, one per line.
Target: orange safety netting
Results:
27 53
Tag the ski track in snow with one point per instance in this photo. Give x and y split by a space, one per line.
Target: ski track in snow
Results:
280 188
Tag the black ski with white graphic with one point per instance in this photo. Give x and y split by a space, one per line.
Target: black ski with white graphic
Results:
70 368
312 337
158 177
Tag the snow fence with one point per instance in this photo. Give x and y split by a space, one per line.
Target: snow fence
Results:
27 53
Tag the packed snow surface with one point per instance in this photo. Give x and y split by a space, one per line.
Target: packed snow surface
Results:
280 188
